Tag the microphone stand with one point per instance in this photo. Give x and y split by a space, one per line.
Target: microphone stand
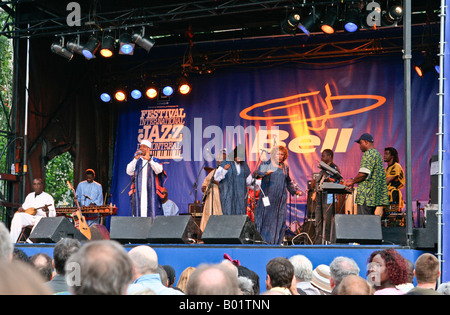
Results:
194 187
136 175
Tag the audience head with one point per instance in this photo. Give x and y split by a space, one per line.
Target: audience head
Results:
321 279
170 271
99 267
163 275
426 269
244 272
20 278
303 268
6 245
145 260
354 285
280 273
20 255
341 267
444 288
43 264
212 280
387 268
64 248
184 278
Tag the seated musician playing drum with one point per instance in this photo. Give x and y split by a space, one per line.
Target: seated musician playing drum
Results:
33 209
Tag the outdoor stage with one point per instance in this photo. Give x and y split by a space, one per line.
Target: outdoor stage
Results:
255 257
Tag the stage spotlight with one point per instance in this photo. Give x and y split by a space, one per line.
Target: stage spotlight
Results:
105 97
151 92
393 15
351 23
58 49
91 47
183 86
120 96
75 47
126 46
167 90
330 19
310 21
430 64
290 25
144 42
108 46
136 94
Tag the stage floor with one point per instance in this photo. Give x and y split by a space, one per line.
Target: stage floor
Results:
254 257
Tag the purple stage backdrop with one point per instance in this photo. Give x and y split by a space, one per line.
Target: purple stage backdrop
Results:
306 107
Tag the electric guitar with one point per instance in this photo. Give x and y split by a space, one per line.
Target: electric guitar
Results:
79 220
33 211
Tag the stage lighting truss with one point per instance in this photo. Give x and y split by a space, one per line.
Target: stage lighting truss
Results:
349 17
107 47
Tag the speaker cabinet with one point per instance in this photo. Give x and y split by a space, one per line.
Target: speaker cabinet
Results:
127 230
362 229
230 229
426 237
174 230
51 230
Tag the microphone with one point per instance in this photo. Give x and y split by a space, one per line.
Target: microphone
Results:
87 197
138 153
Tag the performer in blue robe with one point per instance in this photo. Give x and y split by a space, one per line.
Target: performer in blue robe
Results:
90 193
270 220
232 176
149 178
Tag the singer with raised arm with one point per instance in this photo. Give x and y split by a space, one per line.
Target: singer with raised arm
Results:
90 193
271 210
148 175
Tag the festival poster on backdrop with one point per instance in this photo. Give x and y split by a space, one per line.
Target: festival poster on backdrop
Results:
307 108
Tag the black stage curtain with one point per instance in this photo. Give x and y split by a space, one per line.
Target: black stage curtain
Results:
65 114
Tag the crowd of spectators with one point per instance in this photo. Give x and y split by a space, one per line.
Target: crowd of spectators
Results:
104 267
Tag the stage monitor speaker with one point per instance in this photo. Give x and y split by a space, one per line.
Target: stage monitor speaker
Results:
127 230
174 230
426 237
53 229
231 229
361 229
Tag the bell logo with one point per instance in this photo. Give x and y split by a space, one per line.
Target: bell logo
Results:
338 142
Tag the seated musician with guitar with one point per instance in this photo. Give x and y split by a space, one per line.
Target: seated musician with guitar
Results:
36 206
